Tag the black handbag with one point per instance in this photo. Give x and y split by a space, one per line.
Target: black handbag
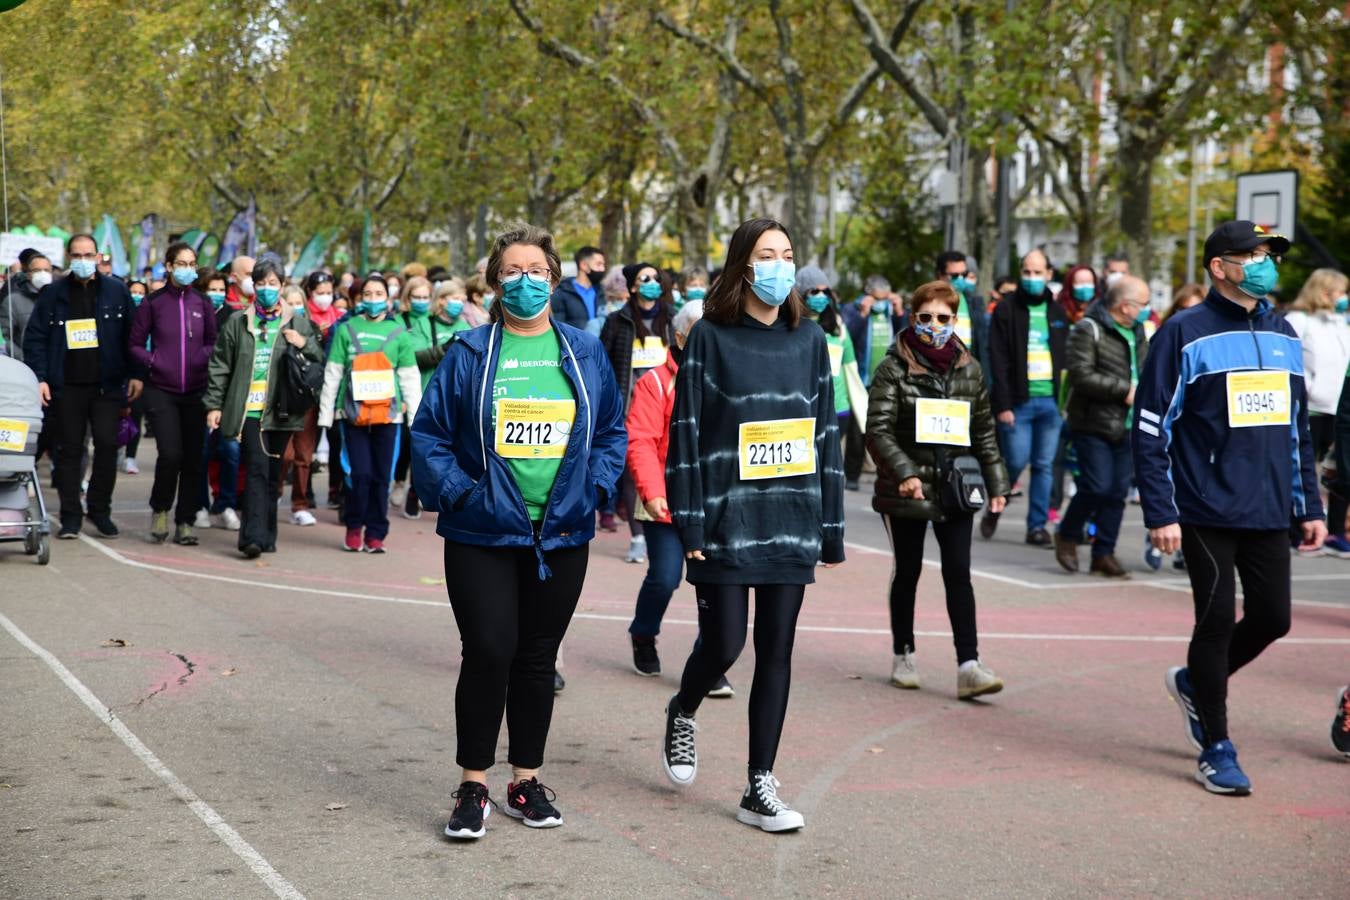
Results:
963 488
301 384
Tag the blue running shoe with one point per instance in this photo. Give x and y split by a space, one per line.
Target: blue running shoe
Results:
1219 772
1152 555
1178 682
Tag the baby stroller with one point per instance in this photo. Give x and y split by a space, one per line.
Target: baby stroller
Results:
21 519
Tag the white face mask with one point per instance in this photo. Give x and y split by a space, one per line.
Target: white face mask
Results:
1113 277
323 301
40 279
246 286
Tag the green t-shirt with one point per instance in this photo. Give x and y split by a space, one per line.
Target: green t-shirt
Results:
841 354
420 333
880 334
372 336
964 329
262 361
1128 334
532 440
1040 367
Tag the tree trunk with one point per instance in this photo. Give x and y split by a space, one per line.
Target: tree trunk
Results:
693 229
611 225
801 205
1087 233
1135 163
457 255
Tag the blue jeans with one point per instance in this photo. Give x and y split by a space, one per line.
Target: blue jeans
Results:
1033 438
665 562
217 446
1103 484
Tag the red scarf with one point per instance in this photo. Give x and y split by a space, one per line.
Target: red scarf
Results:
940 358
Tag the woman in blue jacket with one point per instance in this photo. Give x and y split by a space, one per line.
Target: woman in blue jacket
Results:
520 433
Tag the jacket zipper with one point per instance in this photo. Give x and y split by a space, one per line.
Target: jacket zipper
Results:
1251 326
183 336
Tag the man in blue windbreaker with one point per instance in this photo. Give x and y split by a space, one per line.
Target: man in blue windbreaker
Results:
1224 464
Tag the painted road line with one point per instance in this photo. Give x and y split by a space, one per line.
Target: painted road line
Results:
820 629
209 817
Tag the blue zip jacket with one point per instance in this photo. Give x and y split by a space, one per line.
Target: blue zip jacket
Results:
456 470
1191 465
44 340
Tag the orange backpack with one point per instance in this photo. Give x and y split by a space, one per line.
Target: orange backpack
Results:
371 386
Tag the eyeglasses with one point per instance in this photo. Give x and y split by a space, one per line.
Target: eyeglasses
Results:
927 318
647 279
538 273
1256 256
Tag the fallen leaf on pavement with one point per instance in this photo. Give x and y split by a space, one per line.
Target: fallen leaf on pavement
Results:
228 672
334 807
876 749
855 678
428 580
116 642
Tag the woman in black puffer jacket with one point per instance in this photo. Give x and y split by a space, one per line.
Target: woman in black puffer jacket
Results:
928 404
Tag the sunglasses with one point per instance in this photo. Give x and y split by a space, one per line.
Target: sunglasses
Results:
647 279
926 318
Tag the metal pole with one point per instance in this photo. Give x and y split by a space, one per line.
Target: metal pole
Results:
1190 219
4 180
1001 244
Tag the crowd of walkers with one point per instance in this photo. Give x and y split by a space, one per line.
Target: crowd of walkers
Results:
724 417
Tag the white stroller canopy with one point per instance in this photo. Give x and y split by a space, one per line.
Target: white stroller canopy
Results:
19 392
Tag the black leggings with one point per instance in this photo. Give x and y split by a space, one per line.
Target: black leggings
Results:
179 421
907 537
510 626
723 616
1219 647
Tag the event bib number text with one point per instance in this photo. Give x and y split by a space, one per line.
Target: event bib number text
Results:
942 422
1258 398
257 395
1039 365
534 429
13 435
371 385
81 334
778 448
649 352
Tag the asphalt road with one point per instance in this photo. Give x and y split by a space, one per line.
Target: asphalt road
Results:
285 727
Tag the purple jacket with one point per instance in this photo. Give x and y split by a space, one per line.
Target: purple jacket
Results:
172 335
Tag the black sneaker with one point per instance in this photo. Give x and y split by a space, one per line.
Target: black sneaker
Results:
251 551
761 807
70 528
1039 537
472 807
532 803
722 689
558 682
645 659
106 527
1340 726
679 757
851 484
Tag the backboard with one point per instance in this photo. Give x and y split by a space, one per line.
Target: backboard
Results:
1270 199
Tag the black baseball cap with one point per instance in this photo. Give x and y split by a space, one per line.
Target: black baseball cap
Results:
1241 236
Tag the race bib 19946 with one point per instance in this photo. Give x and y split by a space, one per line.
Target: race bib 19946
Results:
1258 398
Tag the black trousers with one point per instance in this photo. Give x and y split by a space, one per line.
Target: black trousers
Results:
854 447
179 421
81 407
510 627
1219 645
260 456
907 538
723 616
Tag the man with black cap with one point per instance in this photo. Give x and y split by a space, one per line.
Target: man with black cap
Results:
1224 463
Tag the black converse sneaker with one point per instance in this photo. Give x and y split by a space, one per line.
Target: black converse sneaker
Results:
472 807
678 756
761 807
532 803
646 661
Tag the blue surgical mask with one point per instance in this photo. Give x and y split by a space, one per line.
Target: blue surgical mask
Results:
676 298
1342 303
695 293
83 269
1034 287
934 334
962 284
419 307
375 308
650 290
817 302
487 300
881 308
268 297
136 299
453 308
1083 292
1259 278
217 298
184 276
525 297
774 279
1144 313
298 312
